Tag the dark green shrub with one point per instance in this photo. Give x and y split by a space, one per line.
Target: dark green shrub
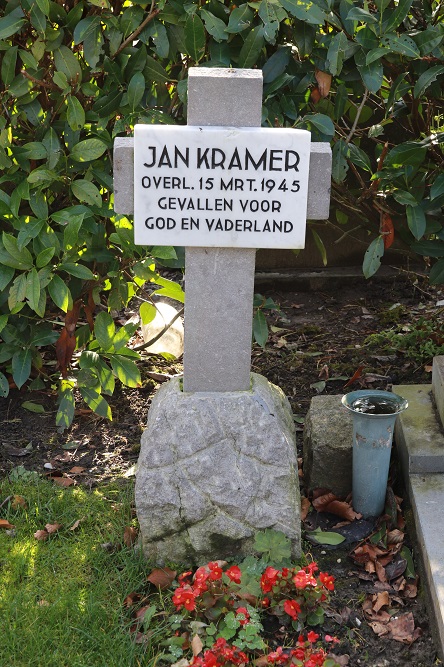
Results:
76 74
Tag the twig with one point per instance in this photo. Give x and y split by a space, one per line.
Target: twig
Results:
358 113
160 334
39 82
153 13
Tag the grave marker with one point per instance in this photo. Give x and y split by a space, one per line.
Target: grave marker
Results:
218 458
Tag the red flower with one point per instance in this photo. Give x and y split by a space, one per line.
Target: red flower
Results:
244 611
185 597
200 578
312 637
215 571
269 579
292 608
329 638
302 579
234 574
312 568
184 578
327 580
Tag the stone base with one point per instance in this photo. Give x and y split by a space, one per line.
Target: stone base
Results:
328 445
214 468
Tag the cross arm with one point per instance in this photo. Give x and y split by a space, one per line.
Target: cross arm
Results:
318 183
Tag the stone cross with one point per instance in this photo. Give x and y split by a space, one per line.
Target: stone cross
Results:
218 457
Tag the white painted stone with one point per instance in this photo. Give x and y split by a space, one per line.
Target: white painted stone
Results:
220 187
319 180
214 468
438 385
172 340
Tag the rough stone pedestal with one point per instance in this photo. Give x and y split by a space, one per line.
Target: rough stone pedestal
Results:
214 468
328 445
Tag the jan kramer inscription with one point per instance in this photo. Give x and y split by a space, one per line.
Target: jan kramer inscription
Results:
220 187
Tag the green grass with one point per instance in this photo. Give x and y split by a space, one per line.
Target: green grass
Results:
81 622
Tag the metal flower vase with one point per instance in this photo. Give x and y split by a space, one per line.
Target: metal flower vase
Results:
374 416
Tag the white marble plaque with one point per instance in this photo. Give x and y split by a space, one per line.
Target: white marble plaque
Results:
220 186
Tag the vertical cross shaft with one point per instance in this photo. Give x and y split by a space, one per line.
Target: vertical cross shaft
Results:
219 282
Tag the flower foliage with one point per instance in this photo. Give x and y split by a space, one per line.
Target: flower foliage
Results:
215 603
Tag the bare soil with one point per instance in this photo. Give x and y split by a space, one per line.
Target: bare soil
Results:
317 343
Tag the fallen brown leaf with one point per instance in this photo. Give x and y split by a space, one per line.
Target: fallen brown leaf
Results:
162 577
379 629
76 524
52 528
402 628
380 600
41 535
130 536
132 599
305 507
77 470
63 481
18 501
196 645
330 503
4 523
395 536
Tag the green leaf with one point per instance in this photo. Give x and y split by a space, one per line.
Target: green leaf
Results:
436 276
106 105
426 79
305 10
4 386
42 176
75 114
437 188
18 259
260 328
240 19
326 537
336 52
154 71
136 90
163 252
214 26
195 37
409 152
361 15
3 321
10 24
339 161
39 205
85 27
78 270
416 221
44 257
33 290
60 293
372 75
251 48
52 144
86 191
358 157
320 246
392 18
21 366
322 122
8 65
89 149
429 248
96 402
274 544
33 407
170 289
147 312
410 569
6 275
276 64
372 257
405 198
17 291
126 370
104 331
67 63
400 44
